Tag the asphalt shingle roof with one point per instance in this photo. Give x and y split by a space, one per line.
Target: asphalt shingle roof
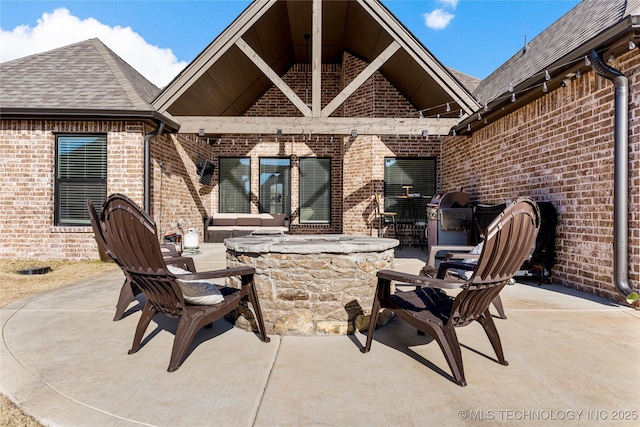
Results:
580 24
85 75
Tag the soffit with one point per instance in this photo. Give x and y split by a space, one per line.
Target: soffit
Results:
223 81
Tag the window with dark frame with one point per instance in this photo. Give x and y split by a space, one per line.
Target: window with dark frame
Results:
235 185
81 174
417 173
315 190
275 185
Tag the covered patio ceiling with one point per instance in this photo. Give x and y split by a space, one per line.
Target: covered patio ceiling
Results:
211 95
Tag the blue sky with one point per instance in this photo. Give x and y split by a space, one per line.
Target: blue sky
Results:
159 38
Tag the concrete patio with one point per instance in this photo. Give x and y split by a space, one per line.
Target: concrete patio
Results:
572 361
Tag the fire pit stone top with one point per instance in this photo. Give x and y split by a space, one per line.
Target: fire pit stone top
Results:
310 244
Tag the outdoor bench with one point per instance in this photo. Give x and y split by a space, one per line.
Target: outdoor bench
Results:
221 226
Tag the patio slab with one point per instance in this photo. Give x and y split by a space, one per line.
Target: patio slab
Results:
572 359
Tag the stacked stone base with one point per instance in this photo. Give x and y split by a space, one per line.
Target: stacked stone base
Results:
310 294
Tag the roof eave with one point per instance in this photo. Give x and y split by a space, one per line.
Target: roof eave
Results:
610 41
19 113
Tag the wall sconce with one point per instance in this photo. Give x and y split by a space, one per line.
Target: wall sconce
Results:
565 82
354 132
279 132
200 132
425 133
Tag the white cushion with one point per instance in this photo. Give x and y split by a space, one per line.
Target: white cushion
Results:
466 274
197 291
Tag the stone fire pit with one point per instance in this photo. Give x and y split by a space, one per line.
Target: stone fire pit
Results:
319 284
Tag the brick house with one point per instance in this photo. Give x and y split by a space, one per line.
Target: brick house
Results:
313 130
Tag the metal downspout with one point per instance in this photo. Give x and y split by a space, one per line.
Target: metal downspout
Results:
147 166
621 177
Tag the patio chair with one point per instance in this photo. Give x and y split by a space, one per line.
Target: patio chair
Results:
508 241
457 267
132 237
129 289
381 215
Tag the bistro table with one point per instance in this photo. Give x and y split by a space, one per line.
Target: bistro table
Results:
408 214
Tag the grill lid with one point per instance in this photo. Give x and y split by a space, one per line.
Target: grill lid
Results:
452 199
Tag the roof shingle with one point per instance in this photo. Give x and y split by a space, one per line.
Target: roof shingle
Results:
85 75
580 24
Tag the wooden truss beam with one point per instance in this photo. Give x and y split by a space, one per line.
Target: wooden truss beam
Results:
205 125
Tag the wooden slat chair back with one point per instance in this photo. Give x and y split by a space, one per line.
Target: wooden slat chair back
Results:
132 236
508 242
129 289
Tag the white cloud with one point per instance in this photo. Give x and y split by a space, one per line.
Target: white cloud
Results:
60 28
437 19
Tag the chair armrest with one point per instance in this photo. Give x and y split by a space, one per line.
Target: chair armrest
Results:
460 255
412 279
444 266
182 262
216 274
169 250
433 250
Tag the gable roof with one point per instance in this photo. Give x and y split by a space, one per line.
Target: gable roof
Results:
270 36
559 49
81 80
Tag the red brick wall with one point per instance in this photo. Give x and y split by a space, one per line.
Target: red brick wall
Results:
177 193
559 148
357 162
27 166
177 196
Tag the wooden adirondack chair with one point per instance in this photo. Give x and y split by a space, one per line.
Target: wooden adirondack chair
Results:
129 289
132 237
508 241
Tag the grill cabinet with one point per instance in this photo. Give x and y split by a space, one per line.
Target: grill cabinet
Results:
448 219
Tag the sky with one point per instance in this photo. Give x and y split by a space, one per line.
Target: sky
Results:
161 37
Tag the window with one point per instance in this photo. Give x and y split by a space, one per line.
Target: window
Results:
81 174
417 173
235 185
275 186
315 190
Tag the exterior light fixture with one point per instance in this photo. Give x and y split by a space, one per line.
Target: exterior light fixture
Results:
565 82
425 133
354 132
632 45
279 132
200 132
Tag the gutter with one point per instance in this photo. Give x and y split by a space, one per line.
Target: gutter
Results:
500 105
28 113
147 166
621 177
